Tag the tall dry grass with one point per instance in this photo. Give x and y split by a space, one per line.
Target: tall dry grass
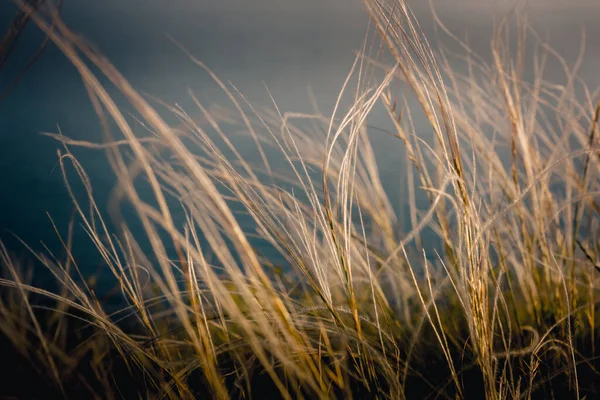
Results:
363 308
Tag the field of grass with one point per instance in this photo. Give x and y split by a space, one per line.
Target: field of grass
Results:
501 303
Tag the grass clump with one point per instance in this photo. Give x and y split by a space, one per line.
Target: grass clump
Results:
489 293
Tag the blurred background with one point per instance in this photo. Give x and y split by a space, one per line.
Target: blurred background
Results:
287 45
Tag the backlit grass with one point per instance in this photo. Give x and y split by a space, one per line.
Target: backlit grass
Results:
486 290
